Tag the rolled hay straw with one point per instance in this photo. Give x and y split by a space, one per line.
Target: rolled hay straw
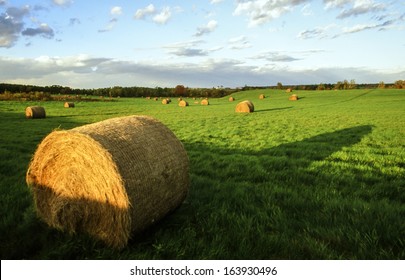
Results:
288 90
231 98
165 101
35 112
183 103
245 107
293 97
109 179
261 96
205 102
69 105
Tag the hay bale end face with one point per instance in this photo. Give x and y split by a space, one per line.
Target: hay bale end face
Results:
165 101
245 107
69 105
231 99
205 102
109 179
261 96
35 112
183 103
288 90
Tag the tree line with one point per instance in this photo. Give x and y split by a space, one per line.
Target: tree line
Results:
118 91
179 90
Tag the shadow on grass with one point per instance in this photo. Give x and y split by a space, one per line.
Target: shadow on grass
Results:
280 203
273 109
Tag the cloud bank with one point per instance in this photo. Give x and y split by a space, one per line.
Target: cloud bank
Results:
84 71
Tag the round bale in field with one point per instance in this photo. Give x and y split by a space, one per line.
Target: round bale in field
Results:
293 97
35 112
205 102
165 101
288 90
245 107
261 96
109 179
231 98
183 103
69 105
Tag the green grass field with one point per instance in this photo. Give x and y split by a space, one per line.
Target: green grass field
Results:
318 178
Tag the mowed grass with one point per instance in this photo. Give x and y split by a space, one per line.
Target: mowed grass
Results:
318 178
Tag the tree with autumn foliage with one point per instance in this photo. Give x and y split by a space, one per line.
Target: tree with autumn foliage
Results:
180 90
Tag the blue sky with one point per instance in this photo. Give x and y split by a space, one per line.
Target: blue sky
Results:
204 43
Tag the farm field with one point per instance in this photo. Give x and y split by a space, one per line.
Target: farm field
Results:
318 178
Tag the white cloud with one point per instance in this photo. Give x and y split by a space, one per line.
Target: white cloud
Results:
159 17
163 16
275 56
216 1
362 27
262 11
354 8
317 32
329 4
238 43
62 2
188 48
362 7
116 11
142 13
210 27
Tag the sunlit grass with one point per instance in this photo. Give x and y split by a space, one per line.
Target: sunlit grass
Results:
318 178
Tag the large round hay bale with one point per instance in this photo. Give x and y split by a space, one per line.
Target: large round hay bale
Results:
183 103
35 112
231 98
245 107
293 97
262 96
69 105
109 179
205 102
165 101
288 90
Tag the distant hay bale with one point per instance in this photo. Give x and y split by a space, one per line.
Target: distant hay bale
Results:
205 102
245 107
156 99
231 98
183 103
288 90
293 97
165 101
69 105
35 112
109 179
261 96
